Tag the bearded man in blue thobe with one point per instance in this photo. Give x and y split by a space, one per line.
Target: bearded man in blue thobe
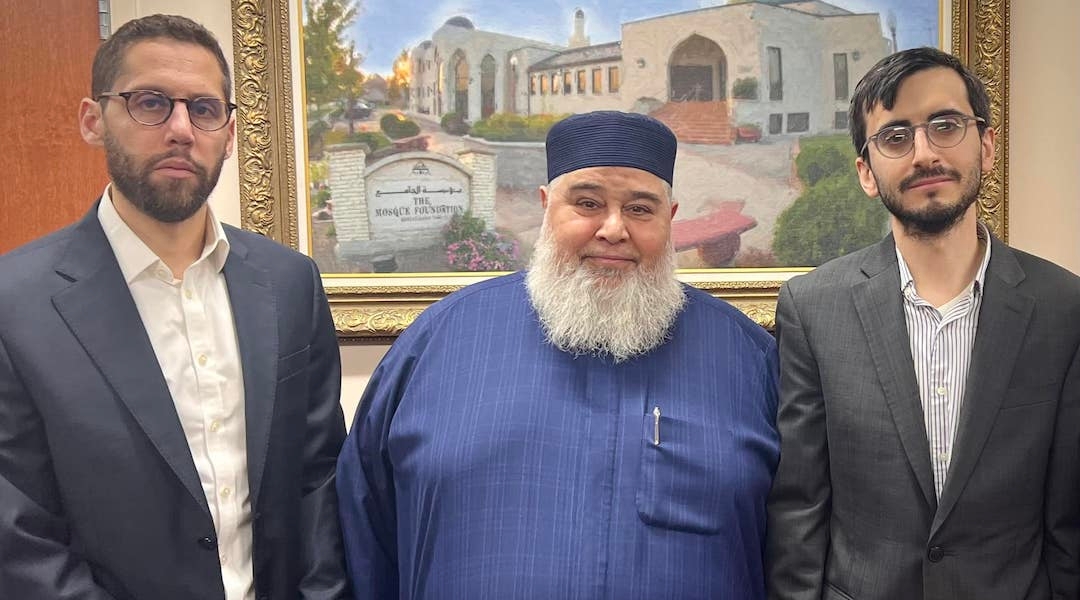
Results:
589 429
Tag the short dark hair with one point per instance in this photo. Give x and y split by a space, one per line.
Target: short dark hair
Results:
109 58
882 82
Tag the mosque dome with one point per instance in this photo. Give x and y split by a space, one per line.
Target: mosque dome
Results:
462 22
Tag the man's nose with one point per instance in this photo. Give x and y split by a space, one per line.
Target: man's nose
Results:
613 229
924 152
178 126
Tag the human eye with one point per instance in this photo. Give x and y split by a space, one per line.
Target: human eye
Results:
639 210
895 136
946 124
150 101
587 203
205 107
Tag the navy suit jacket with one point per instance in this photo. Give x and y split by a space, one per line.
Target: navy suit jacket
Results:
99 495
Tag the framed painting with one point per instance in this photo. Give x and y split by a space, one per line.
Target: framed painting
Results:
400 144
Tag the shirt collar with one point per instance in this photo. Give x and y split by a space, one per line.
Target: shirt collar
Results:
907 282
135 257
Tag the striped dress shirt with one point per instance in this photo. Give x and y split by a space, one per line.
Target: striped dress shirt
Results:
941 342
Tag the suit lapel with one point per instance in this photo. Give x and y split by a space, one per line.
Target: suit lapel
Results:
255 314
100 312
879 305
1003 320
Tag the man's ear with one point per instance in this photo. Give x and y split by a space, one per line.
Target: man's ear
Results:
674 209
866 177
232 137
91 122
987 141
544 196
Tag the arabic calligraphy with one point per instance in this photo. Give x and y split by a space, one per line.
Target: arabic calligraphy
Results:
420 190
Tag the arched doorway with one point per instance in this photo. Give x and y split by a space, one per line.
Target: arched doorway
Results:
698 71
459 69
487 86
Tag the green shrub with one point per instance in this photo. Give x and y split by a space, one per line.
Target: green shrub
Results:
373 139
398 126
462 227
831 218
505 127
502 127
320 197
470 246
454 124
822 156
745 89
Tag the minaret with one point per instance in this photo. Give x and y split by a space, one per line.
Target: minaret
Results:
579 39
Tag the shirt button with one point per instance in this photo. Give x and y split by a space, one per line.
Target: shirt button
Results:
942 390
202 360
224 558
187 294
226 492
215 425
943 457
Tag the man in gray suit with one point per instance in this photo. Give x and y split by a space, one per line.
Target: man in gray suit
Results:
169 414
930 384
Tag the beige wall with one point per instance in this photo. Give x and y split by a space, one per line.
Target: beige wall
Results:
1044 138
1044 129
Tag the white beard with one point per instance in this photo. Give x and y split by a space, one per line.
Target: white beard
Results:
602 311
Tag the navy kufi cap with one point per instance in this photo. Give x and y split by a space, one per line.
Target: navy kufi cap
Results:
609 138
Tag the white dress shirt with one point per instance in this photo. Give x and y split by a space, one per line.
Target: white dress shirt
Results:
190 325
941 342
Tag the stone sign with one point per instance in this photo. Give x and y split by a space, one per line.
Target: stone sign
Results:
403 201
415 197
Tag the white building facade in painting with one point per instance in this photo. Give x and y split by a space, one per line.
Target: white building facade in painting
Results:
787 67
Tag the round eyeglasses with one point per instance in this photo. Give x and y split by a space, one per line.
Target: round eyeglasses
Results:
154 108
944 132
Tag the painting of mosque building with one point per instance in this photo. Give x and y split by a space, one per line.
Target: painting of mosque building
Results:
736 58
757 93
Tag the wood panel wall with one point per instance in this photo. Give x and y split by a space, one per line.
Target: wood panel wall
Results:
49 177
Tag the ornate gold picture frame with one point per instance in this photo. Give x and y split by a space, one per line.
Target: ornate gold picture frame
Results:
267 64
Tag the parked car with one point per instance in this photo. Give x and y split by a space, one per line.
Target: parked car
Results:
360 110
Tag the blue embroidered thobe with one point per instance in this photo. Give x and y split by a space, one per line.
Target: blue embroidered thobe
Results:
484 463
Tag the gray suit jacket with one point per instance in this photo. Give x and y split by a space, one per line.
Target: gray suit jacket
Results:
99 495
853 513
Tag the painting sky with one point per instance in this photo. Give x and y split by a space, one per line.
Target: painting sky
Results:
385 27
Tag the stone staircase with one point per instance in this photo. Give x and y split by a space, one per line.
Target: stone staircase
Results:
696 122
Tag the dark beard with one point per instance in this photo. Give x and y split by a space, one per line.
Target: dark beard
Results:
172 202
933 220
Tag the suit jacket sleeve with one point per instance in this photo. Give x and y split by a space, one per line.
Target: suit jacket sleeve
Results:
323 571
799 504
36 560
1062 538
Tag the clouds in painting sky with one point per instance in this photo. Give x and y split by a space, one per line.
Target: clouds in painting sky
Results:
385 27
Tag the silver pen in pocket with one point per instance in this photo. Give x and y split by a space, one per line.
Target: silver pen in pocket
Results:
656 426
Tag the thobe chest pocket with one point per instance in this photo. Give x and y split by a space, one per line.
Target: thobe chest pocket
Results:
680 483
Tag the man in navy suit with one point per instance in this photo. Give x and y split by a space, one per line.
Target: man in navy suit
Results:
169 385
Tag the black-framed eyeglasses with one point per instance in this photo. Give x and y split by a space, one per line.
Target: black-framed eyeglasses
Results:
944 132
149 107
